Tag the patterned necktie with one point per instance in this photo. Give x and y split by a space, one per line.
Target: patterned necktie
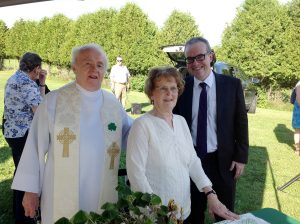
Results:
202 123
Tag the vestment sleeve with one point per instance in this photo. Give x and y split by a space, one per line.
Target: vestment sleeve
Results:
29 174
126 124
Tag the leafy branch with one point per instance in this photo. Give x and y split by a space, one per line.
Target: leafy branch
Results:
131 208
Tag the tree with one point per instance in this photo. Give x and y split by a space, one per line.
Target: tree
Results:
178 28
257 41
21 38
134 39
293 51
3 30
95 28
52 36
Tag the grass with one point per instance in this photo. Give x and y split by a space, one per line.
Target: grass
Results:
272 161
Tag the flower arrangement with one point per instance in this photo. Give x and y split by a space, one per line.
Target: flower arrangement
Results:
131 208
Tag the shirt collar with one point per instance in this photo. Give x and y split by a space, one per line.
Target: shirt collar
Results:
209 80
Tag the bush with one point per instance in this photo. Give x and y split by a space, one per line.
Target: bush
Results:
131 208
137 83
276 99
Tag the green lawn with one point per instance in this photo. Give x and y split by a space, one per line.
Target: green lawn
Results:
272 161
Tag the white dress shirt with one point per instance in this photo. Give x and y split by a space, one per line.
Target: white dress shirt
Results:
212 143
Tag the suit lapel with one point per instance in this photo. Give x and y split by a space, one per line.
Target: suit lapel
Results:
219 91
189 90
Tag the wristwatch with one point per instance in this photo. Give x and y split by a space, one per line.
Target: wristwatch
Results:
210 192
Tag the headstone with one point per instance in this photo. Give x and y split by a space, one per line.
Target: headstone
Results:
136 108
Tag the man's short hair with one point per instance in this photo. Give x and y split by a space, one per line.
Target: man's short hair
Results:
98 48
194 40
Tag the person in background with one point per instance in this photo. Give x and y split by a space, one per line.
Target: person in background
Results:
24 91
71 156
296 119
214 107
160 153
119 77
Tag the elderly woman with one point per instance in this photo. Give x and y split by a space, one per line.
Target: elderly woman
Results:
160 154
296 119
23 93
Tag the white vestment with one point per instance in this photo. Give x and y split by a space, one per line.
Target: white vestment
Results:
35 172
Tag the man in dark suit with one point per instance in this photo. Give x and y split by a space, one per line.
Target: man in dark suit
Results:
219 116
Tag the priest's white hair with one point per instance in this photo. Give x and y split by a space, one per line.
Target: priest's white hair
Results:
77 50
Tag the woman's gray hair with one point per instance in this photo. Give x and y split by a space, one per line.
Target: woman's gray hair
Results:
98 48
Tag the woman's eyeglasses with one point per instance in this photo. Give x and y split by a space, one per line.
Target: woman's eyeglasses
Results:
164 89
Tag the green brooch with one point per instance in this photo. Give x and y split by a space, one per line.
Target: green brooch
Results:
112 126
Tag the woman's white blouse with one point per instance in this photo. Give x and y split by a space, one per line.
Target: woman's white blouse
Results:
161 160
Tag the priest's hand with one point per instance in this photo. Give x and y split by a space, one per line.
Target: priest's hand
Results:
30 203
215 207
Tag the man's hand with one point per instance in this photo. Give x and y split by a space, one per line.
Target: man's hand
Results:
239 169
30 204
216 207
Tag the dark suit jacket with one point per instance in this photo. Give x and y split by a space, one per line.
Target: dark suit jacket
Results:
232 121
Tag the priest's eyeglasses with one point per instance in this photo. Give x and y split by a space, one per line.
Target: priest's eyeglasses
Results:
199 57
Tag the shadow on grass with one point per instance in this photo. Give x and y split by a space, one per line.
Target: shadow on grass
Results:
6 214
284 135
5 154
251 186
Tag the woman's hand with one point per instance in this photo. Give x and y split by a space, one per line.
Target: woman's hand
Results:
30 204
216 207
42 76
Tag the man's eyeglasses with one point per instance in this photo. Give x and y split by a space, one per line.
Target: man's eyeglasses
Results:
119 60
199 57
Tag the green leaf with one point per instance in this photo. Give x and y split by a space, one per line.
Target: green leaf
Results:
95 217
137 194
123 190
163 211
63 220
148 221
108 206
122 203
110 214
155 200
135 210
146 197
80 217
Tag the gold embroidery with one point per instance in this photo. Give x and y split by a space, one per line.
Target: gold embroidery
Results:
113 151
66 137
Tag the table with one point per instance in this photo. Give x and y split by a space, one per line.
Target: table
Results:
274 217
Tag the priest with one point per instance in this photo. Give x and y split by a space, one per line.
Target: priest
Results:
71 157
